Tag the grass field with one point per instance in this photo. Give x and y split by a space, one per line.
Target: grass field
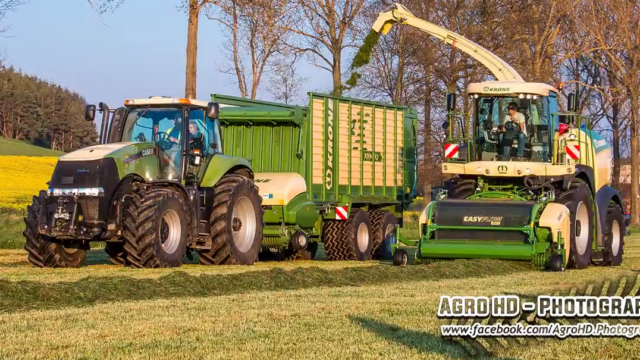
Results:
288 310
17 147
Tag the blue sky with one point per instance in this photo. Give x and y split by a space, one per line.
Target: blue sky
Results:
137 51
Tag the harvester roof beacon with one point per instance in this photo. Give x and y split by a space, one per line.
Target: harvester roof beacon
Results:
529 182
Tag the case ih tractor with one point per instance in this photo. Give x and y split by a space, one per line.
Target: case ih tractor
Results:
528 182
157 186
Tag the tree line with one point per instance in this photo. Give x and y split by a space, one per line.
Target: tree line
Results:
42 113
591 46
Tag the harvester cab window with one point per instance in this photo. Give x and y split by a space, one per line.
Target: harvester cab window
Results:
512 128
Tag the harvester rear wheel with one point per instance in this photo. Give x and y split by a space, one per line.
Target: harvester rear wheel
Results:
580 204
460 188
613 237
236 223
383 225
45 251
115 250
156 226
348 240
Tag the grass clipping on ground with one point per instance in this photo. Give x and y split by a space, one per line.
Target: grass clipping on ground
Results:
362 58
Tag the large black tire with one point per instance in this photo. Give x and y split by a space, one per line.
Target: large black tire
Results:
579 201
47 252
156 227
234 194
341 237
384 228
614 237
115 250
458 188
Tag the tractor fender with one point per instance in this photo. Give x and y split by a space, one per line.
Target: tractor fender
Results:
557 218
219 165
604 197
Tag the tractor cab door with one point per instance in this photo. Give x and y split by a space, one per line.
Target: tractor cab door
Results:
204 142
115 130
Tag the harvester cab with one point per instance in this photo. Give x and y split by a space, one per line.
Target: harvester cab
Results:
527 182
147 190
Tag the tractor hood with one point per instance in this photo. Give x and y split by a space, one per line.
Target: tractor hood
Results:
95 152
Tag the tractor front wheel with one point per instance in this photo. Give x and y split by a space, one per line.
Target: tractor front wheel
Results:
45 251
156 227
115 250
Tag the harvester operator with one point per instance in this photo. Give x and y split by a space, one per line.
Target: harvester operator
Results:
519 119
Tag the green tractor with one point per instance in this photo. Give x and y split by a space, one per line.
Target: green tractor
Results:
156 189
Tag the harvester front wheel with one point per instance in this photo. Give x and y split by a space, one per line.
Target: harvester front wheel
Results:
348 240
460 188
47 252
613 237
580 204
384 227
236 223
156 226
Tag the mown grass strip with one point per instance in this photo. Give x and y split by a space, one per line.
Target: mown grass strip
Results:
30 295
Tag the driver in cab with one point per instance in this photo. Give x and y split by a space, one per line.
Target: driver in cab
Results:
517 118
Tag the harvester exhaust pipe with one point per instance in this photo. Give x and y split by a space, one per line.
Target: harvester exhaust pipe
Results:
105 122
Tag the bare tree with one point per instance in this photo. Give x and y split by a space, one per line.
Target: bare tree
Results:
615 27
256 30
285 84
325 31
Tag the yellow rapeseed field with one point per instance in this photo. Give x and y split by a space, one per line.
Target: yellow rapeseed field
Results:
22 177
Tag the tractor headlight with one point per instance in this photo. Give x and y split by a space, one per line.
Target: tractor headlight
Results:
527 170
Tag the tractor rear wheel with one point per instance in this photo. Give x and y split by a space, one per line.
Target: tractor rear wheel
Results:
115 250
45 251
348 240
236 223
580 204
384 229
613 236
460 188
156 227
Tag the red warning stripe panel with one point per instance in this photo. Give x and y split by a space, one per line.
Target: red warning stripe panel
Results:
450 151
573 150
342 212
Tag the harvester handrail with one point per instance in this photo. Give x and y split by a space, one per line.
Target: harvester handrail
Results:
399 14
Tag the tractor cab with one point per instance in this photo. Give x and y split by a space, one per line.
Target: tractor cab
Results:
183 133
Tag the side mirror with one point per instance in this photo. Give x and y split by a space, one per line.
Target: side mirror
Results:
573 102
213 110
445 125
451 102
89 112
